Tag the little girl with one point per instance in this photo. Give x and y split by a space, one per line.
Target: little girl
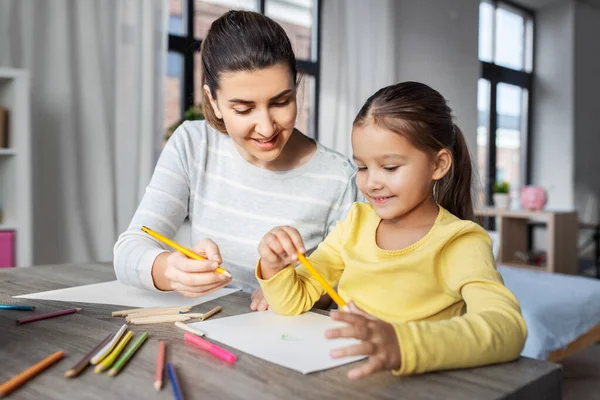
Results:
418 274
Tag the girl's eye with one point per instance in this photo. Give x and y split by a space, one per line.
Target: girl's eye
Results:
242 112
390 169
361 168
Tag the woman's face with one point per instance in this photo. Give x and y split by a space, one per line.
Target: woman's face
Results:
259 111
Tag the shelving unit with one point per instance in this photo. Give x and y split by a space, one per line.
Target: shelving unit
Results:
15 164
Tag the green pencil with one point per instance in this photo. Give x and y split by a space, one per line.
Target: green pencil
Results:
128 354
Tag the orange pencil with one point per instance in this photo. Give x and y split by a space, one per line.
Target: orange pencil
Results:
160 366
9 386
186 252
330 291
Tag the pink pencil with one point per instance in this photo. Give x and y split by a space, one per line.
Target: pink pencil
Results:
48 315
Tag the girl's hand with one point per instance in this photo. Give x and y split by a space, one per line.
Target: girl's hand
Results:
378 341
278 249
259 303
196 278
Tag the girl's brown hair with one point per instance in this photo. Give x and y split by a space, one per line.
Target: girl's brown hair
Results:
241 41
422 115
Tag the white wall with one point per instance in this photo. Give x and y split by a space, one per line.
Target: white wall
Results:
436 43
553 117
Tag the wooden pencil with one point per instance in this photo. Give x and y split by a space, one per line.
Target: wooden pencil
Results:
330 291
159 319
85 361
9 386
47 315
128 354
152 314
189 329
174 382
210 313
124 313
110 359
16 307
103 352
160 366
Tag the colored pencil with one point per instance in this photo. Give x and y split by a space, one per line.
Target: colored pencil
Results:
9 386
160 366
16 307
174 382
103 352
48 315
85 361
330 291
187 252
188 328
152 314
110 359
210 347
124 313
210 313
159 319
128 354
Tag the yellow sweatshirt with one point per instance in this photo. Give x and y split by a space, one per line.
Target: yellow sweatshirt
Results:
443 295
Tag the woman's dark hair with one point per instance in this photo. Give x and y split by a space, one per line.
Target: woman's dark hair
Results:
422 115
241 41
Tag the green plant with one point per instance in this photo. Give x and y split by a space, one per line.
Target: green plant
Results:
501 187
193 113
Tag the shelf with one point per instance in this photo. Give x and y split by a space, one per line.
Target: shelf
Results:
7 152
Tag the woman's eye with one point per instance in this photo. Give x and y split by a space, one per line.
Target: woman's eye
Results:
281 103
242 112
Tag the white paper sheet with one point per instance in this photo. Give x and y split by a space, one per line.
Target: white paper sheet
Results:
297 342
117 293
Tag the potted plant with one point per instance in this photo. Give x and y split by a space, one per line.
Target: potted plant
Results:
192 113
501 197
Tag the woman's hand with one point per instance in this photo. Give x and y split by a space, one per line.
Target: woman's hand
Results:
259 303
278 249
195 278
378 341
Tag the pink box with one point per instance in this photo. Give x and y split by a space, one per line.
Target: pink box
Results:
7 249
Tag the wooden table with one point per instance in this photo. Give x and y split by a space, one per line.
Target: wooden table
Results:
201 375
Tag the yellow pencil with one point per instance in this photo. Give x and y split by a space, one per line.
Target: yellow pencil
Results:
110 359
188 253
330 291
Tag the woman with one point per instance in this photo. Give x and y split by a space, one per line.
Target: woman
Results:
238 174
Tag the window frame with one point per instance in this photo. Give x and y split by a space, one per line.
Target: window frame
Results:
496 74
188 46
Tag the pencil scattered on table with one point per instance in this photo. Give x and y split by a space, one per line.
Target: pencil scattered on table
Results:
122 361
103 352
16 307
188 328
210 347
330 291
186 252
149 310
110 359
174 382
14 383
48 315
210 313
159 319
85 361
160 366
155 313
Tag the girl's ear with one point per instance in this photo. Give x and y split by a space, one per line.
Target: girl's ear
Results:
213 103
441 164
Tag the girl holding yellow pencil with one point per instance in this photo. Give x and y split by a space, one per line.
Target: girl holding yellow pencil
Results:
418 275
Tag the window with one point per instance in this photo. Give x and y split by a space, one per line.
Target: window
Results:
504 90
189 21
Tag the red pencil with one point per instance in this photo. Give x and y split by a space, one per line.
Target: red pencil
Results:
48 315
160 366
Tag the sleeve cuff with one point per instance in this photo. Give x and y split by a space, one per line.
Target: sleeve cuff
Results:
283 274
145 269
408 354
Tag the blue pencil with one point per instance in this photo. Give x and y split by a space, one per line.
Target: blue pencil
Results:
15 307
174 382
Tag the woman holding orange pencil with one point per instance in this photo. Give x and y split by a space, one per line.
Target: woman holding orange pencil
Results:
236 175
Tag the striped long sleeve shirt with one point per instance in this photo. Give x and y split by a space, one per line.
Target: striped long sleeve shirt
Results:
202 177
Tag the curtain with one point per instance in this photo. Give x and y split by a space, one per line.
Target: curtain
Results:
96 70
357 59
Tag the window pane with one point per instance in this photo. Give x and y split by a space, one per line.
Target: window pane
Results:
306 106
483 108
486 25
296 18
173 90
508 135
177 25
206 11
510 39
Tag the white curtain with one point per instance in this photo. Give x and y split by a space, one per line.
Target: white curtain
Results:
96 70
357 59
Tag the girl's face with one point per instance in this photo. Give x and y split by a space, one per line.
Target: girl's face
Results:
393 175
259 111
